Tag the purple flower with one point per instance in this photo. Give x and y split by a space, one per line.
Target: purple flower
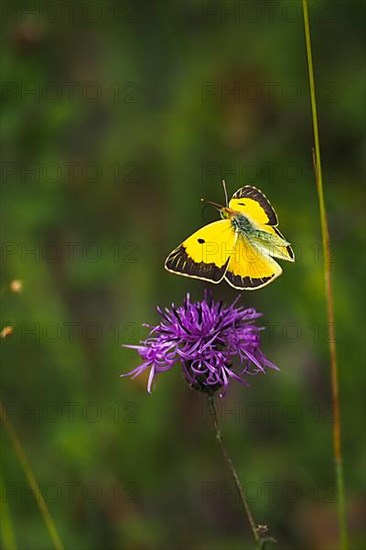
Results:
204 338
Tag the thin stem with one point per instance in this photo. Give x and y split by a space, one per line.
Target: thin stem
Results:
231 467
32 481
337 449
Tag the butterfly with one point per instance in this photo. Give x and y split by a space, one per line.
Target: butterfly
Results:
239 248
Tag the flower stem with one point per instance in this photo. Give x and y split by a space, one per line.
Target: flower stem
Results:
258 539
337 448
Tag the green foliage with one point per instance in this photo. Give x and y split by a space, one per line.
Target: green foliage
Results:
119 468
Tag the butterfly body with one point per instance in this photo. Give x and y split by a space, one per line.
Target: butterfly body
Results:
240 247
241 224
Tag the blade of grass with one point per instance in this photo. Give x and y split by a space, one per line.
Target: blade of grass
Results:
32 481
337 448
8 539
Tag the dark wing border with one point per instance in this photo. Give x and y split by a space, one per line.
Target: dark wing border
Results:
179 262
248 283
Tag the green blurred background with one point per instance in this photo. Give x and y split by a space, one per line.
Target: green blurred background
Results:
117 119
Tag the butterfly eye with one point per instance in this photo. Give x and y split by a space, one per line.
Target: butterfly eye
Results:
201 241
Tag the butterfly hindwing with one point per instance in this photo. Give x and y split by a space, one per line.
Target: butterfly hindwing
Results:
205 254
254 205
249 267
274 244
283 250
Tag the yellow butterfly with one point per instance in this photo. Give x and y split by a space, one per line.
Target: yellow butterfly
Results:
239 248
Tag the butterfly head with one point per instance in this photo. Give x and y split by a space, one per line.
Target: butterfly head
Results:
225 211
228 213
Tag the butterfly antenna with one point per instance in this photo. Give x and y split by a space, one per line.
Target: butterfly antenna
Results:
215 204
225 192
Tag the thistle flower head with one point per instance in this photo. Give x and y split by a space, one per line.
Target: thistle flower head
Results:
205 338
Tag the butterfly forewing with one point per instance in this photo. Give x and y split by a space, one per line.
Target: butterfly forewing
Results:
205 254
253 204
